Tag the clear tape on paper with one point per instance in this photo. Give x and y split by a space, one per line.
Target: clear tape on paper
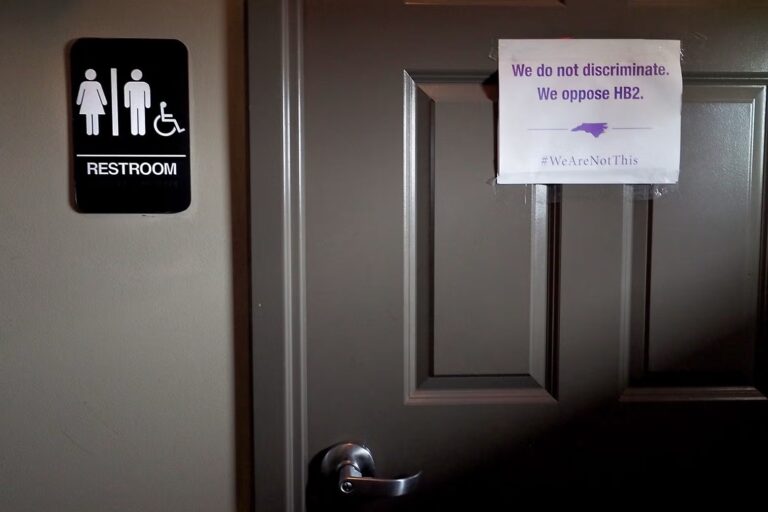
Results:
493 53
649 192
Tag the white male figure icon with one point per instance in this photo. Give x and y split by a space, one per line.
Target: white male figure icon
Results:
136 97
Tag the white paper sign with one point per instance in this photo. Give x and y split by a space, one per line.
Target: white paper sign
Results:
589 111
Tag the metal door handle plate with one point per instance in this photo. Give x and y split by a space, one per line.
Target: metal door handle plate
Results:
353 465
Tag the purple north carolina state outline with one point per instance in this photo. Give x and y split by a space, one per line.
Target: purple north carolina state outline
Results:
594 129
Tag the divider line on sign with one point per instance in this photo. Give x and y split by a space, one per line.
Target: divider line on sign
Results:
115 121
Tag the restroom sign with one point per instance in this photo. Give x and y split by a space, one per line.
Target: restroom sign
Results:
130 125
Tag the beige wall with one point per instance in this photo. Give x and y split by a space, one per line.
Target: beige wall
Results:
119 333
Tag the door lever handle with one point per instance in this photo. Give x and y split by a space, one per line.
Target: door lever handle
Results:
351 466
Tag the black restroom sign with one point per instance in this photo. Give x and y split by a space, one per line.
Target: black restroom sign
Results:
130 125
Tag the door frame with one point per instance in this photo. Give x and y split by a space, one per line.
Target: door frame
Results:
276 210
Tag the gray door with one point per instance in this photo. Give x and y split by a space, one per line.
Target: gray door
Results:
509 341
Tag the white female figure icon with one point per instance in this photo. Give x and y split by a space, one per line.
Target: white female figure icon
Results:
91 99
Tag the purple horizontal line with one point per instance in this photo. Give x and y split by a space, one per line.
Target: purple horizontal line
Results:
546 129
634 128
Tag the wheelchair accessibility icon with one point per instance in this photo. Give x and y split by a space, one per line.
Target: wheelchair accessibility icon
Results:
165 121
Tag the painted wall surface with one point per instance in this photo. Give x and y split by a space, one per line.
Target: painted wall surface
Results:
123 338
